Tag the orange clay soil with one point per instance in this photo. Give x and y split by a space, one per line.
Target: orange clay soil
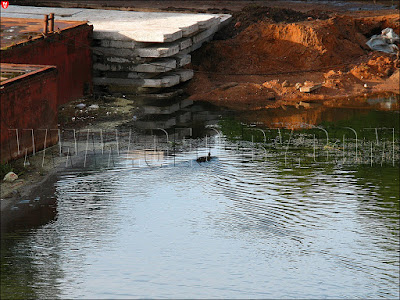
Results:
264 65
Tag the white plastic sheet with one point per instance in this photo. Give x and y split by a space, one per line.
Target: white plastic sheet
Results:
385 42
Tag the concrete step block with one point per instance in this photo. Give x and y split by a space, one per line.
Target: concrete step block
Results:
208 22
183 59
224 19
185 43
157 66
118 81
139 35
184 74
122 74
159 98
117 44
116 52
158 51
165 81
204 34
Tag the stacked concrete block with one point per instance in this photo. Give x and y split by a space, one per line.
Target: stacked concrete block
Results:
138 51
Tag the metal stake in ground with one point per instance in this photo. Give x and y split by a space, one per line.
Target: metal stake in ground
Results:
87 146
44 146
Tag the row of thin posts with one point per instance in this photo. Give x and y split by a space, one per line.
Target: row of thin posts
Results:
89 134
48 20
358 158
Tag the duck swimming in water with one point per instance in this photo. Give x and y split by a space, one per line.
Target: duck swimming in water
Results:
204 158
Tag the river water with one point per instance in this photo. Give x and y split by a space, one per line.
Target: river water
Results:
251 223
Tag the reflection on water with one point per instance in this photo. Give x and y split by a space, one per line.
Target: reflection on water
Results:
247 224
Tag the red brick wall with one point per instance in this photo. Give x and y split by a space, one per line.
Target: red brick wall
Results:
69 50
29 102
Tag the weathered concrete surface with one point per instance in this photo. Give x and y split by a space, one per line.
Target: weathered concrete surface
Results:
112 24
28 103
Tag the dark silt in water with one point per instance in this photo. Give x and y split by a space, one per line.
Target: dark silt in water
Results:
254 222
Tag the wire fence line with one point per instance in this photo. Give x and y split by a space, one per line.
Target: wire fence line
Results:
95 147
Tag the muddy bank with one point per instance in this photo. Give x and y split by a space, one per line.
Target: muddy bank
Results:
252 61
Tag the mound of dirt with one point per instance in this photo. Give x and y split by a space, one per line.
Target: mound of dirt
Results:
265 48
331 52
252 14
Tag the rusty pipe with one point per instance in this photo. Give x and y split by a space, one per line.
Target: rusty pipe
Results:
51 22
46 24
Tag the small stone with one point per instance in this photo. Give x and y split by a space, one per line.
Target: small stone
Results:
80 106
285 83
365 85
10 177
93 106
298 85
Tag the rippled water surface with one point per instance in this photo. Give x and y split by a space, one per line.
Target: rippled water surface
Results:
229 228
247 224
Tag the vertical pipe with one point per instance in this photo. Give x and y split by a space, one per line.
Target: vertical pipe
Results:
46 24
51 22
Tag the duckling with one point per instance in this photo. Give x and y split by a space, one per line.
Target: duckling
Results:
204 158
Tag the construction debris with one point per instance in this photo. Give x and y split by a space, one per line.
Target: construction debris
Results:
10 177
385 42
308 88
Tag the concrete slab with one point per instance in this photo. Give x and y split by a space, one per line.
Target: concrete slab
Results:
184 74
158 66
204 34
185 43
159 26
183 60
160 51
117 44
166 81
117 52
310 88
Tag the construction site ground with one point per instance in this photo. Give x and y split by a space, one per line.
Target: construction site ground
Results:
271 48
